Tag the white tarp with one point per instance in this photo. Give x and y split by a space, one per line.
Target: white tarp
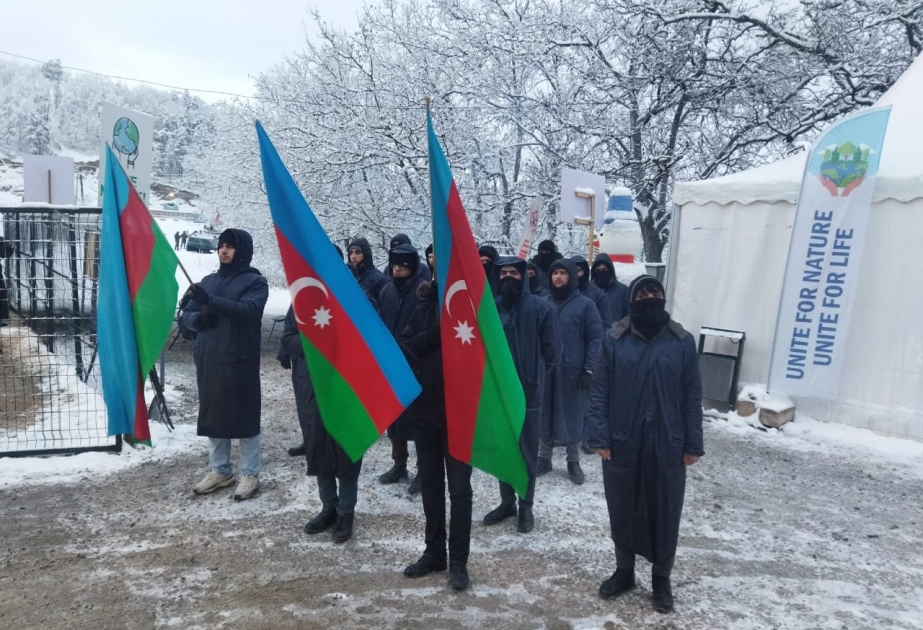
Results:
728 256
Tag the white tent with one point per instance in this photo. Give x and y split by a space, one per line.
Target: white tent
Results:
730 243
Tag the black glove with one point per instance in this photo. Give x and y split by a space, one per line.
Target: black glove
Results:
199 294
207 319
187 297
585 379
286 362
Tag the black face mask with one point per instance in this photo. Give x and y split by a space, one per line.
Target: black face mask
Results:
544 260
510 290
533 284
602 277
649 316
488 267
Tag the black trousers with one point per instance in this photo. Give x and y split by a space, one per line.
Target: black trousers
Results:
436 466
508 495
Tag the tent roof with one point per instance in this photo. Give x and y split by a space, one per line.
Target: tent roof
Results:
900 174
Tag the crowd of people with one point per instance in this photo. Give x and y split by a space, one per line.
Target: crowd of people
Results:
604 369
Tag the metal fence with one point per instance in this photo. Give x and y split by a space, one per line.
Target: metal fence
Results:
50 395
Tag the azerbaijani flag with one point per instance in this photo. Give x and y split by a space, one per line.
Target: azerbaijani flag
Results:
485 404
360 376
137 301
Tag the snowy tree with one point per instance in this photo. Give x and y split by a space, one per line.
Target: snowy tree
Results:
38 136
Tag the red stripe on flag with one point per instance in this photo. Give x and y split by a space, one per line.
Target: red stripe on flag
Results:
142 430
137 241
462 347
329 328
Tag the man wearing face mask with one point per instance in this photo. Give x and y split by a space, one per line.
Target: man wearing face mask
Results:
488 256
567 397
402 239
547 254
616 292
535 343
646 424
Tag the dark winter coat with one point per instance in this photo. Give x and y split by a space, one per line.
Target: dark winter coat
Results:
646 407
324 456
490 270
227 352
422 270
534 338
422 346
371 280
396 306
616 292
581 333
593 292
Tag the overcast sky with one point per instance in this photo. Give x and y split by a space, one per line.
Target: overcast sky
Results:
208 44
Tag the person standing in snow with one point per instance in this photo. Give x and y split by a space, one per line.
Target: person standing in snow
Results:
396 306
646 425
616 292
176 237
534 338
489 255
223 313
183 238
402 239
567 395
422 346
326 459
360 258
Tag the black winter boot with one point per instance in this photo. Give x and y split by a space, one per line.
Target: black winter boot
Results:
526 521
621 581
415 485
459 576
575 473
585 447
395 474
321 522
663 593
425 565
343 530
543 467
296 451
500 513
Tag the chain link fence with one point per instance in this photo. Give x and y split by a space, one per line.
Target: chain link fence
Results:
50 394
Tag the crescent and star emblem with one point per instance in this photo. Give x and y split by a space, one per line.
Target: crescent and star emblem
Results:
462 331
322 315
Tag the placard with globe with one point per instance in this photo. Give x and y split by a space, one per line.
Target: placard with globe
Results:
130 134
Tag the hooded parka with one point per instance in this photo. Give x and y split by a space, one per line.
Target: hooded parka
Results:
370 279
396 306
646 408
324 456
616 292
581 333
534 336
593 292
227 334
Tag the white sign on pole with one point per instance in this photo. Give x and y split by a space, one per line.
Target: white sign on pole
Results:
48 179
574 207
825 256
530 229
131 136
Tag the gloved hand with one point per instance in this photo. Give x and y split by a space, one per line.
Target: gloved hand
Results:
199 294
207 319
187 297
585 380
286 362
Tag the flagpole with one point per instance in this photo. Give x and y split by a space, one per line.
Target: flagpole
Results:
432 224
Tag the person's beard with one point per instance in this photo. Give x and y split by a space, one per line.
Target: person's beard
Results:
561 292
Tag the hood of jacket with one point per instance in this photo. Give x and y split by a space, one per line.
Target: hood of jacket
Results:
243 247
366 250
570 267
406 250
604 259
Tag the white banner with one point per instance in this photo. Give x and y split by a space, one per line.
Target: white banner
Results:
530 229
577 187
825 256
48 178
131 136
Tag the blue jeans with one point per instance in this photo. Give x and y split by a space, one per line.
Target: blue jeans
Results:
219 456
343 502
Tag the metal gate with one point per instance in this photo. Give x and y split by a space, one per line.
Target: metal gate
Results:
50 395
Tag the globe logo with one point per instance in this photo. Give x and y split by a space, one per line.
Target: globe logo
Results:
125 138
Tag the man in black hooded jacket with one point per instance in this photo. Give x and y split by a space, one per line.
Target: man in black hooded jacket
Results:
489 255
396 305
224 314
402 239
360 257
547 254
616 292
535 343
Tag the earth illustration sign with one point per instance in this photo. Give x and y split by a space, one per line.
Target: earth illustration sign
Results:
844 167
125 138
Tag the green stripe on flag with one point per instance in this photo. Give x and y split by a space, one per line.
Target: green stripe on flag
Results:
502 409
343 414
155 303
